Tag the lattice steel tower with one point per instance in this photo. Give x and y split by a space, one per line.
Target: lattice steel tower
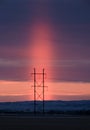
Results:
39 88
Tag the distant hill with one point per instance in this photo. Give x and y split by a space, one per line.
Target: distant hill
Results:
81 107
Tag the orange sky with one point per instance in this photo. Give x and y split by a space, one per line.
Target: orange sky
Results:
60 90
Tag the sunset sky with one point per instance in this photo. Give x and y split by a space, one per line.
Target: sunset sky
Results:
50 34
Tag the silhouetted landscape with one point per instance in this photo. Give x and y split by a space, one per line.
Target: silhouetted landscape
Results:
81 107
58 115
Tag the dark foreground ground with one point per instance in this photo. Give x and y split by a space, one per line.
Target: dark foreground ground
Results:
44 122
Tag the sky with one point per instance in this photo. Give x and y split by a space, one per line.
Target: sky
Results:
50 34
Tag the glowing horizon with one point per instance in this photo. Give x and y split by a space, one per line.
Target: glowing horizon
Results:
59 91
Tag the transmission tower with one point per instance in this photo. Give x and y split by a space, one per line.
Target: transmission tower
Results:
37 86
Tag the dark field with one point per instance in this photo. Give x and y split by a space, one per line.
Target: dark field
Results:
46 123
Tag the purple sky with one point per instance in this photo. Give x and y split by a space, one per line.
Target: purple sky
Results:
70 22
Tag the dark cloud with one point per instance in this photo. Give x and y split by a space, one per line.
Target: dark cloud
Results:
14 98
73 97
12 73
